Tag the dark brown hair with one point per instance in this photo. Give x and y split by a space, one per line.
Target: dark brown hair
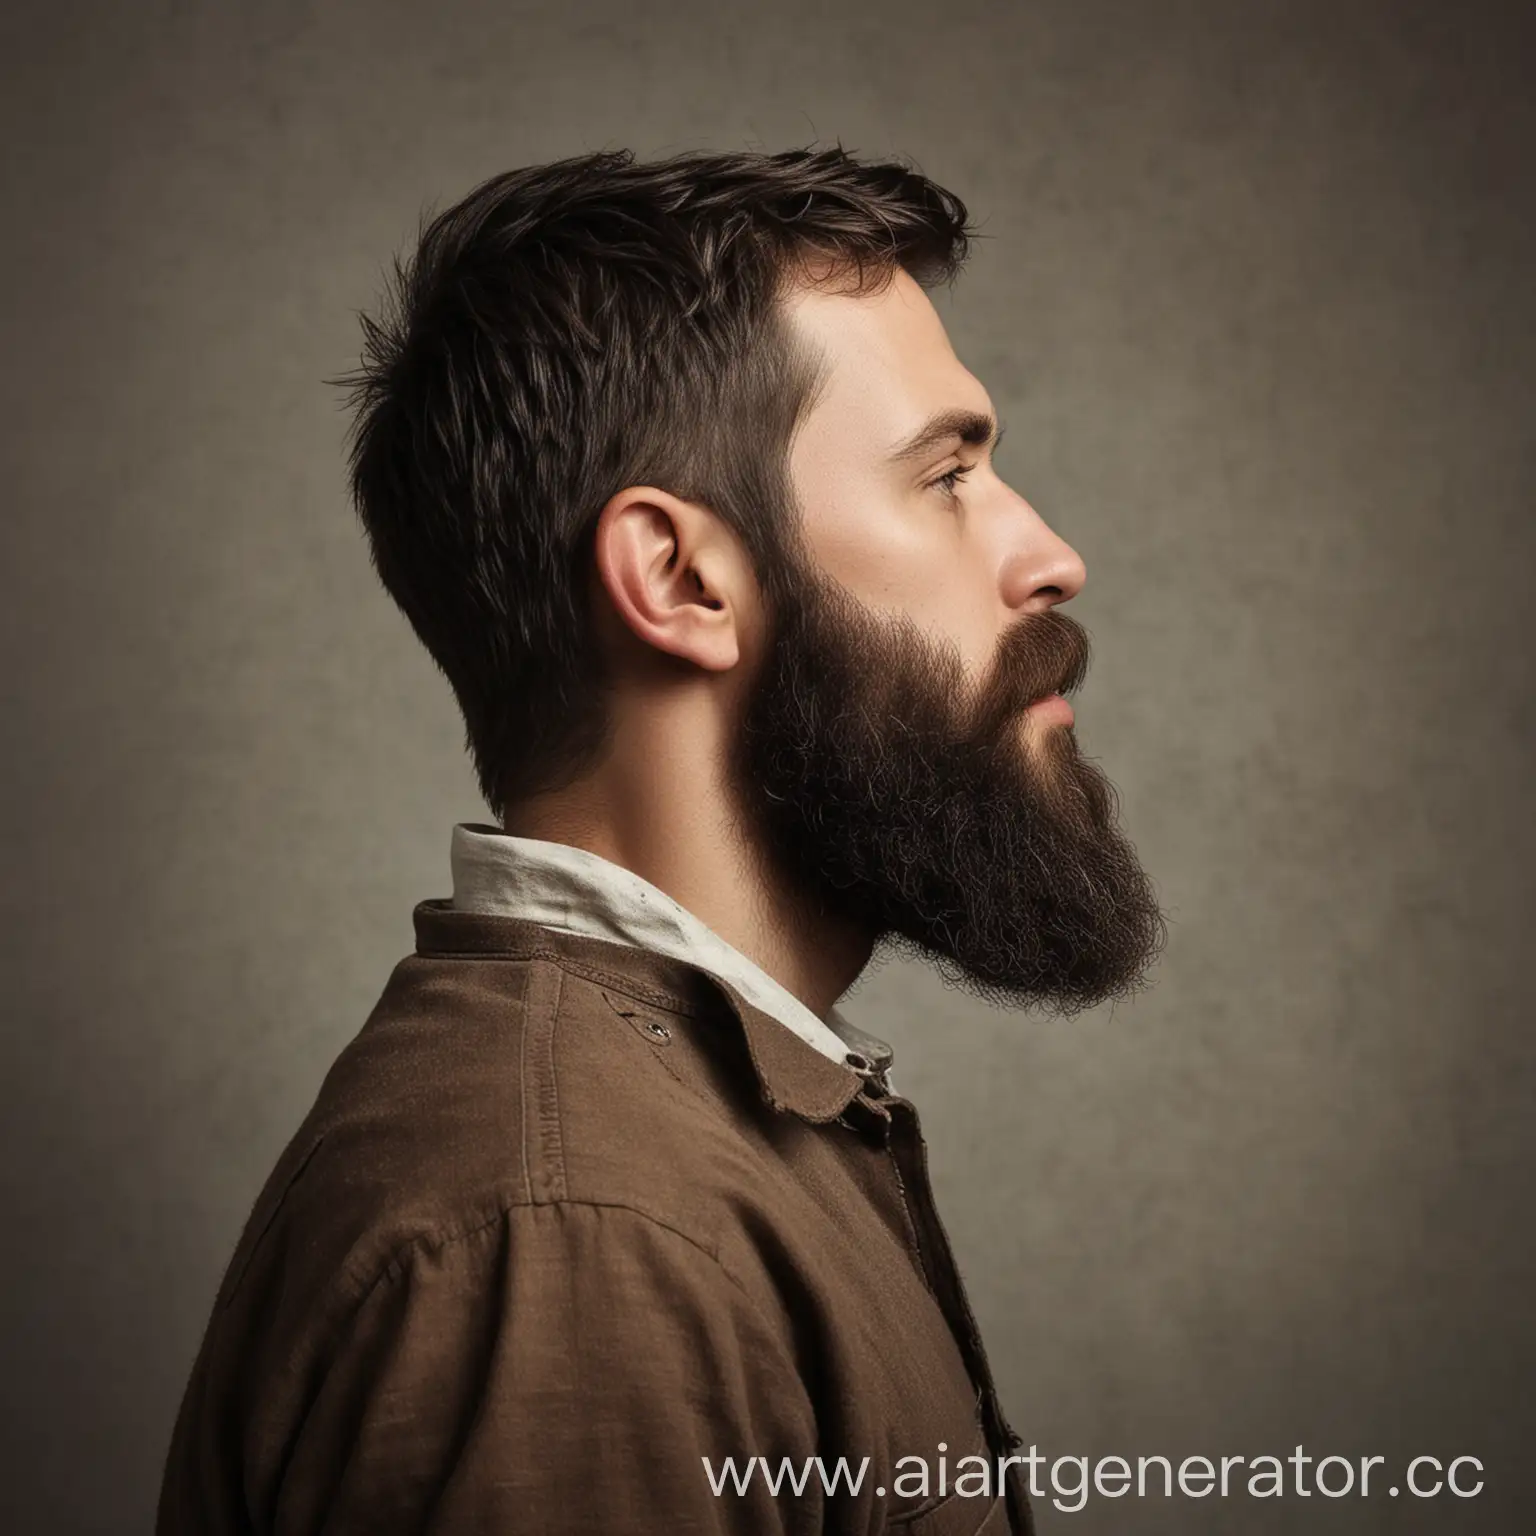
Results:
570 329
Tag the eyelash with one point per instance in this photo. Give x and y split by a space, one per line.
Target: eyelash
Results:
952 479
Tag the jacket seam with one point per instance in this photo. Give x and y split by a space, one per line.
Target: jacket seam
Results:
395 1266
912 1232
638 990
543 1145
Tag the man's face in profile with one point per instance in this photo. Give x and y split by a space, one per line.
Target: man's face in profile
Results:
890 761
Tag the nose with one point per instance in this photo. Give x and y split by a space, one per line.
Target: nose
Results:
1042 569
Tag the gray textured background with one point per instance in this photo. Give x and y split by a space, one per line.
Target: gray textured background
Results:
1258 308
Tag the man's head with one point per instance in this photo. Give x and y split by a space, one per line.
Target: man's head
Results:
724 370
570 329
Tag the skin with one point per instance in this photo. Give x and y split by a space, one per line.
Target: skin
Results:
956 578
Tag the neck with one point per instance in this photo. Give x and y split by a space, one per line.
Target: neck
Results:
662 811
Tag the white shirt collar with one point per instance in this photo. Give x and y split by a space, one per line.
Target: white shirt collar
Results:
581 892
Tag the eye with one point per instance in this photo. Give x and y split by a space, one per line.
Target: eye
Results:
950 481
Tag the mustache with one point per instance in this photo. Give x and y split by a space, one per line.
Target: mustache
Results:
1046 653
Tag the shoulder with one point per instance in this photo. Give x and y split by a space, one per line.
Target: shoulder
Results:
526 1189
487 1370
483 1086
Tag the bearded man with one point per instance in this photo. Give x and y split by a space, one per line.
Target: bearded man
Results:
608 1220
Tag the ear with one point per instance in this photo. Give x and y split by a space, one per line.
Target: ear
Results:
674 574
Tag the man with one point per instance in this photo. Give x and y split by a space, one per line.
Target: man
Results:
675 473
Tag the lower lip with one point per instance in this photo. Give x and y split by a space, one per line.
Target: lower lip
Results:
1053 708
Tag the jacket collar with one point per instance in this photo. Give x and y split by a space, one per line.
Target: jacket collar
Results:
792 1075
579 891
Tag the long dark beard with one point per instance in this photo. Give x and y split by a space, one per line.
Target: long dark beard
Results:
887 803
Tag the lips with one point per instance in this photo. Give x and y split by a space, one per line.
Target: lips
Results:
1054 705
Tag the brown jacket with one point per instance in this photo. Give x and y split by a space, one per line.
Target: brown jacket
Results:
568 1220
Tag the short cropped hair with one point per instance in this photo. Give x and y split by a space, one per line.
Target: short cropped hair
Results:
572 328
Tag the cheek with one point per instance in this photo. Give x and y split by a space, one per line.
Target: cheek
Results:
896 555
902 554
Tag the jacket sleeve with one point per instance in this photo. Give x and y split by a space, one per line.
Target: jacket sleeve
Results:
565 1367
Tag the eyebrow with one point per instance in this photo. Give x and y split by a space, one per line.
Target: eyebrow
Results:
973 427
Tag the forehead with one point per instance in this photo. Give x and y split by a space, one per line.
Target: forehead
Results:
889 365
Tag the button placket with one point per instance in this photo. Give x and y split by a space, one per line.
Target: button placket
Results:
907 1147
